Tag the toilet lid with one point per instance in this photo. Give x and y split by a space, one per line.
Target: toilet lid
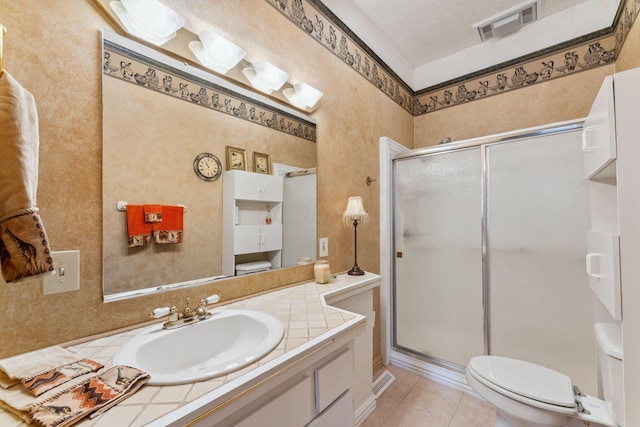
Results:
526 379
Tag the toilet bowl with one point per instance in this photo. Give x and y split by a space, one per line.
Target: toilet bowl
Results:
530 395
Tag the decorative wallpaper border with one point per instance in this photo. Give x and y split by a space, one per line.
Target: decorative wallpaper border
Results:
327 29
132 67
581 54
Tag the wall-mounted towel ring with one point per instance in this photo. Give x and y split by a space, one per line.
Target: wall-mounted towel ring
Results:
122 206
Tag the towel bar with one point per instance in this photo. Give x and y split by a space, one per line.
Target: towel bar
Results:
122 206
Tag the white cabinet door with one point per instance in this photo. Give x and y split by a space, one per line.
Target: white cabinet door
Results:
255 186
291 409
603 269
333 379
272 188
271 237
249 239
339 414
599 134
247 185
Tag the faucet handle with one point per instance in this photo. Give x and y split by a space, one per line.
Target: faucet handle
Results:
160 311
212 299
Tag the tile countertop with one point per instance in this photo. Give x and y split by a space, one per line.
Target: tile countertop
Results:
309 321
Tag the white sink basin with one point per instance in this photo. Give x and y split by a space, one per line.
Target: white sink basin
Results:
228 341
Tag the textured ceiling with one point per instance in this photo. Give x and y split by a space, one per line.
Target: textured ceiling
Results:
426 30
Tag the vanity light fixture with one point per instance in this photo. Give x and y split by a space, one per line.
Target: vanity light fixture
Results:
355 214
265 76
148 19
303 95
216 52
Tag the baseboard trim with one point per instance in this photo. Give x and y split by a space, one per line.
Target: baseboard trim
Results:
365 410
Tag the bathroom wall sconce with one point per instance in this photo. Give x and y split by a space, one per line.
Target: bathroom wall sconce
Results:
265 76
302 95
355 214
216 52
148 19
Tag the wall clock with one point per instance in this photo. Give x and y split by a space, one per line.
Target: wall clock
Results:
207 166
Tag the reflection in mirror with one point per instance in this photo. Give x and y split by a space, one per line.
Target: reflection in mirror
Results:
159 115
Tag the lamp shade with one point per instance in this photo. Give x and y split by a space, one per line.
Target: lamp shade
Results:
219 53
303 95
354 212
265 76
153 17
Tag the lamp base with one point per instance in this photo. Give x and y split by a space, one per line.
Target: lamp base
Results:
355 271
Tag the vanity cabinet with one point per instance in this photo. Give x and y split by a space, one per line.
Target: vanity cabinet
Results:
314 391
251 218
314 401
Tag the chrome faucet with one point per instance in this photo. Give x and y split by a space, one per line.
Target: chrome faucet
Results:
188 315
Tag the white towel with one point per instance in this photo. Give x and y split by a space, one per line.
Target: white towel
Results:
32 363
24 246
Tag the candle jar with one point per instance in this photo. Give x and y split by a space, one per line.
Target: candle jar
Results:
321 271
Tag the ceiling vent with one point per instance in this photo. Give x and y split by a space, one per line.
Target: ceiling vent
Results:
509 21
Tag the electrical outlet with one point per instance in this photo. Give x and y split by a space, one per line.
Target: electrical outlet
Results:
67 273
324 246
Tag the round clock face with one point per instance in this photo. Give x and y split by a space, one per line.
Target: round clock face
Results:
207 167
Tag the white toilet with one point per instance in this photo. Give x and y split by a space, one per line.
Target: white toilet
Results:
529 395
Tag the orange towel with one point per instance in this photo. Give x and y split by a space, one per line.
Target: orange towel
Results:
138 230
170 230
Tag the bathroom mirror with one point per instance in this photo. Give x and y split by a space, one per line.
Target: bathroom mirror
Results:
159 115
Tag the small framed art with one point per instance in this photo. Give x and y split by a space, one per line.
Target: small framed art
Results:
236 158
261 163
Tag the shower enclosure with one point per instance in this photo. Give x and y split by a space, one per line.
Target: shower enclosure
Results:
489 246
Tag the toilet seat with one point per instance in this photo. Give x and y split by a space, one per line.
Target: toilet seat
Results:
525 382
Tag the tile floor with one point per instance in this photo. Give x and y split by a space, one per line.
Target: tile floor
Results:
414 401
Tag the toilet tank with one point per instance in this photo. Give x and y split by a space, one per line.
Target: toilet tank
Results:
609 338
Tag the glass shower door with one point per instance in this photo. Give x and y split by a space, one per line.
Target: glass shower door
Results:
438 255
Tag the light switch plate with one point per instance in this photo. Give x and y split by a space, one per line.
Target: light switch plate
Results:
67 273
324 246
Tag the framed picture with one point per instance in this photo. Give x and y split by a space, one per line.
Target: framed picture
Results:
261 163
236 158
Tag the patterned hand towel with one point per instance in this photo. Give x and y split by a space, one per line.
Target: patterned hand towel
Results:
27 365
45 381
24 246
95 395
170 230
138 230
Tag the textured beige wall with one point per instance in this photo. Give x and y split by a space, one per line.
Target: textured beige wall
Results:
553 101
55 53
